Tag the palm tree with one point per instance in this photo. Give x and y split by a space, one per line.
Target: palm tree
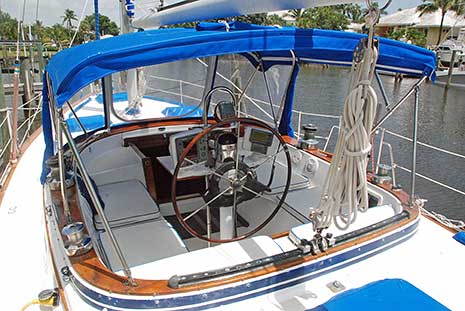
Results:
68 18
38 29
429 6
295 14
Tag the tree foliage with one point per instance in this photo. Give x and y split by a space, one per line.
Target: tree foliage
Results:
334 17
296 14
107 26
8 27
324 18
353 12
259 19
60 34
68 18
275 19
410 35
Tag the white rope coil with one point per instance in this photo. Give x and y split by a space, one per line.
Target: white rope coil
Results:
345 189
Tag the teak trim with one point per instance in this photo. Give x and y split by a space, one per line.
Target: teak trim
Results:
90 268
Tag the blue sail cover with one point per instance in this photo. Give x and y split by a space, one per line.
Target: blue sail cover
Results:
74 68
383 295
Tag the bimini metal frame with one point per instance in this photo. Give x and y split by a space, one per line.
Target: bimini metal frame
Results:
61 129
415 89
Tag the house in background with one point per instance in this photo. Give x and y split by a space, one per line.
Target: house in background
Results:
285 16
429 23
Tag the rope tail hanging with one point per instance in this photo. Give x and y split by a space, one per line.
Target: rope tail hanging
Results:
345 189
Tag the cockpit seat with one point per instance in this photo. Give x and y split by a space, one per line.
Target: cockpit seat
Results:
142 243
126 203
142 233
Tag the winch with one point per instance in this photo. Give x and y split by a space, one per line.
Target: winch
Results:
382 176
309 140
78 242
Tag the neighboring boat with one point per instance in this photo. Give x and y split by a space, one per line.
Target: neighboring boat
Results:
445 50
152 203
444 53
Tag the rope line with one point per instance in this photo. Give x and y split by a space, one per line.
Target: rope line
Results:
450 223
345 191
79 23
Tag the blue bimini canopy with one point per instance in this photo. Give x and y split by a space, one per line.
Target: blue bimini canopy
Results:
74 68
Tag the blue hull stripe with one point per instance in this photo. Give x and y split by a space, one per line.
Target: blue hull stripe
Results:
292 277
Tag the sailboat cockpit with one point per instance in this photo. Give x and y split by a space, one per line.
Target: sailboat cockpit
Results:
186 179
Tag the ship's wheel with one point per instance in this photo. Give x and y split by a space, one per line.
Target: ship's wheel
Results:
235 180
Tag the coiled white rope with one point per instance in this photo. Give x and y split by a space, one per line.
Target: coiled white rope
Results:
345 189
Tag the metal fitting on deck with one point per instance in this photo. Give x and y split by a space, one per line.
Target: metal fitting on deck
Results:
382 177
308 141
78 242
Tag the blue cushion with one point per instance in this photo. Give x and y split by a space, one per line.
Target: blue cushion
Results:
384 295
460 237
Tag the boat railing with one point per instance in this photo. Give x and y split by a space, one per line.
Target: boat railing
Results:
394 165
255 101
31 110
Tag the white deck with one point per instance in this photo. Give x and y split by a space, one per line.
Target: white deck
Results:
431 260
25 264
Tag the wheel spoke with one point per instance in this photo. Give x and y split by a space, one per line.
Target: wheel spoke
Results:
238 134
260 195
254 169
194 163
267 159
206 204
211 171
232 181
235 213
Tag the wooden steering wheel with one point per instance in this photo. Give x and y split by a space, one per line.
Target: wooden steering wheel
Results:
239 180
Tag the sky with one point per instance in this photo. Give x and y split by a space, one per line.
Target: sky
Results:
51 11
